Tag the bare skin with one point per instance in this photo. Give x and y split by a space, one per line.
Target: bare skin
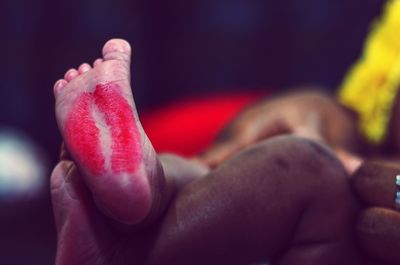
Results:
92 127
378 227
306 113
284 201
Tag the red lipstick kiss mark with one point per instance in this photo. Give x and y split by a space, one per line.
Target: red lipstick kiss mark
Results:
83 134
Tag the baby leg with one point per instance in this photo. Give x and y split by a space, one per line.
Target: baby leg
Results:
284 201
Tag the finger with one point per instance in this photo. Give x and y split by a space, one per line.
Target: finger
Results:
375 183
378 231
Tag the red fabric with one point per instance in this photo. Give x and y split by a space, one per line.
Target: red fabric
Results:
187 127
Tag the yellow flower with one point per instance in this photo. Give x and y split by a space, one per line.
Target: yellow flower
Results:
371 85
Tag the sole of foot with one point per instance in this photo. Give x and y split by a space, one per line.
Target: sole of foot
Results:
98 121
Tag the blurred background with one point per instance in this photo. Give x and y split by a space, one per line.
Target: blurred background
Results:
182 49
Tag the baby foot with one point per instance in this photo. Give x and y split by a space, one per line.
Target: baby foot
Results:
84 234
97 118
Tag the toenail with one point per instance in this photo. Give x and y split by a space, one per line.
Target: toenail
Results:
84 68
116 46
59 85
71 74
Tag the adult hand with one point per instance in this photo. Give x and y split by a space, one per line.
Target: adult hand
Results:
308 114
378 228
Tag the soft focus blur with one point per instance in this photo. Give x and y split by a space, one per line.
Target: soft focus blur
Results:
182 48
26 233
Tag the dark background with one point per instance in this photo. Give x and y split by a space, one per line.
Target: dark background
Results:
181 48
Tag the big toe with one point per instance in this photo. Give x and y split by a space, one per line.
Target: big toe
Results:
117 49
